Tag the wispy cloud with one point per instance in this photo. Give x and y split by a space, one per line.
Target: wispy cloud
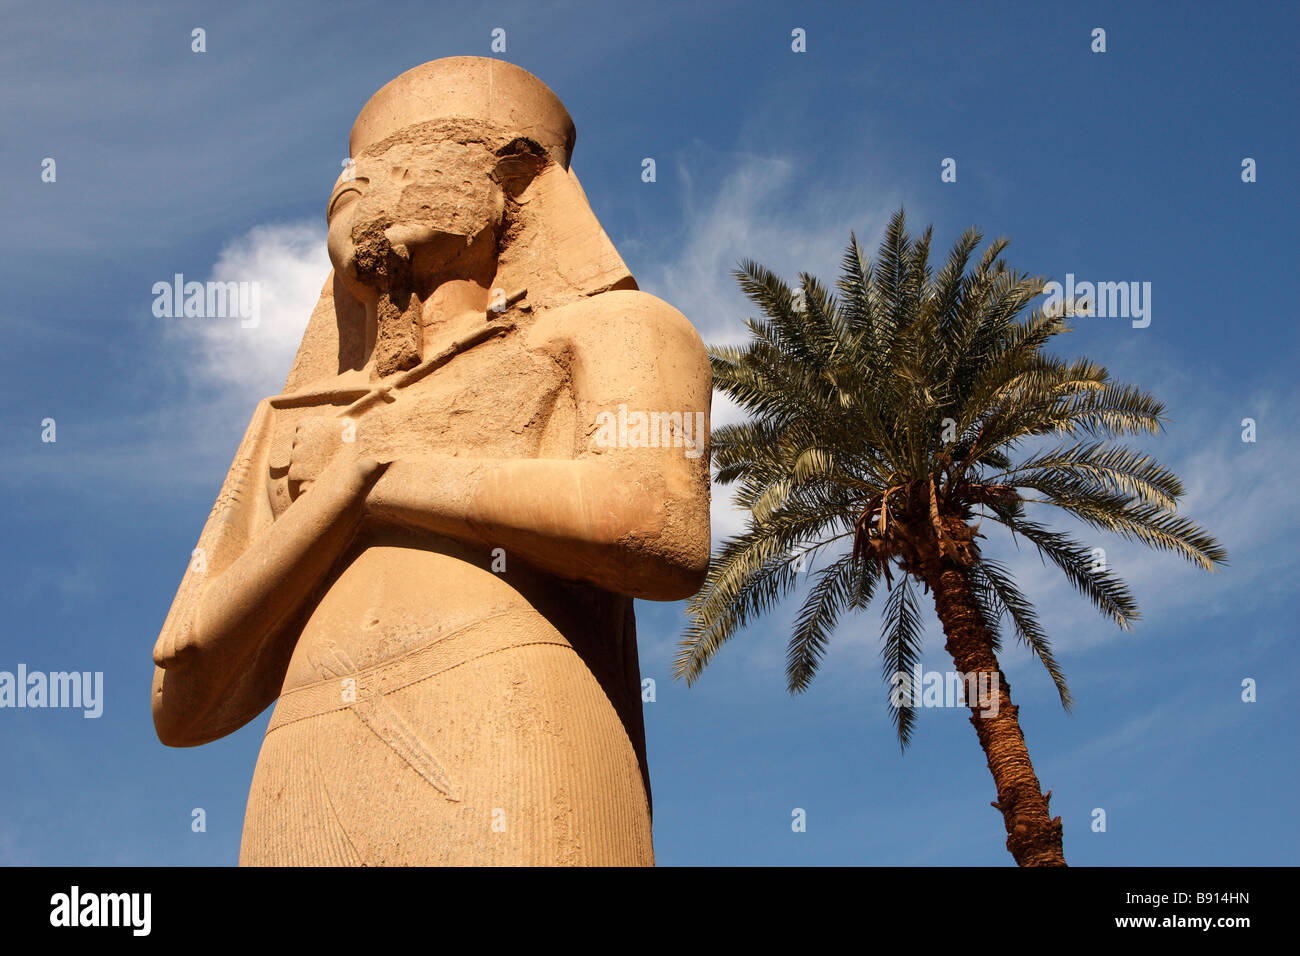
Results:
289 264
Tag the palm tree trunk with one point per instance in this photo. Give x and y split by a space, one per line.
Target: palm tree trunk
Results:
1033 836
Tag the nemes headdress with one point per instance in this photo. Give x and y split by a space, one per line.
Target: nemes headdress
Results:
470 88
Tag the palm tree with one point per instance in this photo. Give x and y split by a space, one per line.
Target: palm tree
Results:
886 429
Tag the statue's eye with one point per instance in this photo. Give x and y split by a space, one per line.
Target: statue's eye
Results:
345 193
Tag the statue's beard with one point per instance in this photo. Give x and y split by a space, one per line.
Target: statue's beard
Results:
398 332
387 268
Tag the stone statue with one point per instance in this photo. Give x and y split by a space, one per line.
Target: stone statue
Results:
427 546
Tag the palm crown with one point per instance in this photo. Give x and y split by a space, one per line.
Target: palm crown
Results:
889 426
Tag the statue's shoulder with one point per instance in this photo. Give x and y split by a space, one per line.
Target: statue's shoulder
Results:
618 314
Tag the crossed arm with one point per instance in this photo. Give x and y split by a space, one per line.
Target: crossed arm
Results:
630 520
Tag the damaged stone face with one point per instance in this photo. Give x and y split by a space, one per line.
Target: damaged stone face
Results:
418 210
377 264
421 203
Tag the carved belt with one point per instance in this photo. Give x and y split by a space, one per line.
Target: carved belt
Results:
345 687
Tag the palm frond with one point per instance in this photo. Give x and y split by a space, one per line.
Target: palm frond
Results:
902 644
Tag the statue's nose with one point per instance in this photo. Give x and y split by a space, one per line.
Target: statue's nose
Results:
404 235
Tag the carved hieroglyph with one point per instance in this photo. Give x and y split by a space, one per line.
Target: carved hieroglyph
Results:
427 547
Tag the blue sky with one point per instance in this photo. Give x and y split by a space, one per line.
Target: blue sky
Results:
1116 166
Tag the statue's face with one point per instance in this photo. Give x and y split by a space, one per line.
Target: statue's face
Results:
415 215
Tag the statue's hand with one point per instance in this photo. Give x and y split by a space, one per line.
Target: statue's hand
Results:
320 457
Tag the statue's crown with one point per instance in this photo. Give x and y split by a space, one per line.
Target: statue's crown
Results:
468 88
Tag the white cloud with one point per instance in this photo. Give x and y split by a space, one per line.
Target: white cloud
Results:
290 264
762 211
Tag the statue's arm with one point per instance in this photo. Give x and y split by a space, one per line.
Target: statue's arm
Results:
220 660
633 520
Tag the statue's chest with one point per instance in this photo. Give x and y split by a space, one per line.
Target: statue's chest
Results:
497 400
